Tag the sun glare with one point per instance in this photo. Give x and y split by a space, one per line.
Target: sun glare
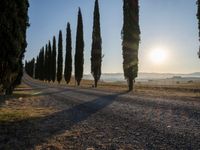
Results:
158 55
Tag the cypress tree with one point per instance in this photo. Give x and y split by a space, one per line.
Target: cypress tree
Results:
13 22
50 68
41 65
131 38
79 60
30 66
54 59
46 64
96 53
60 58
37 70
68 56
198 17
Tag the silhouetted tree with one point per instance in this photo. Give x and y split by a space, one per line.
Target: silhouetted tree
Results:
46 65
96 53
79 60
13 25
60 58
131 38
54 60
50 67
68 57
41 64
37 73
198 17
30 66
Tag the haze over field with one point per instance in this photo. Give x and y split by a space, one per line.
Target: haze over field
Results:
115 77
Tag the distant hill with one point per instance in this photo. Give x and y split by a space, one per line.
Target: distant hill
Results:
110 77
195 74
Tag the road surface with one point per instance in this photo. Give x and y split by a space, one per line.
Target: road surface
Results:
86 118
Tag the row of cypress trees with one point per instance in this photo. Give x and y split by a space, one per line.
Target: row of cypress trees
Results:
29 67
130 46
45 66
13 25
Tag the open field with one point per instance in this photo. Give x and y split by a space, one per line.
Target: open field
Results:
163 88
49 116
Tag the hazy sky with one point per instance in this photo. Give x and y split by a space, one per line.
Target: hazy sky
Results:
168 25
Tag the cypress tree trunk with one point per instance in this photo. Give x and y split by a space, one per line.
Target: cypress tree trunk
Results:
9 90
79 49
130 85
60 58
131 38
95 83
68 57
96 53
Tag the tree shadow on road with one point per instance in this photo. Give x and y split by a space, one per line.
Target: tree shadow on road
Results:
26 134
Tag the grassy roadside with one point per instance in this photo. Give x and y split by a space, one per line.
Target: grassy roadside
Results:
176 90
19 106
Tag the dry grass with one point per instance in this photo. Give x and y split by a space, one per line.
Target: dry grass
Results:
22 105
175 90
19 106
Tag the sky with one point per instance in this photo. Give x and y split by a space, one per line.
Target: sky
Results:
167 26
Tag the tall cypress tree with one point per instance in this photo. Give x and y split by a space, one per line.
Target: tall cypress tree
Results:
41 65
68 57
60 58
131 38
37 73
37 66
13 22
96 53
46 63
79 60
198 17
30 67
54 59
50 68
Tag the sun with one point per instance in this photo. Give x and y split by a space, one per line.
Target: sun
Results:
158 55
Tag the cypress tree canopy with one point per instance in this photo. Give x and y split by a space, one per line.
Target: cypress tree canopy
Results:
96 53
13 25
30 66
46 63
54 60
131 38
79 60
50 67
68 57
60 58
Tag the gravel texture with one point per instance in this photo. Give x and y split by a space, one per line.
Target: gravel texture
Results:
88 119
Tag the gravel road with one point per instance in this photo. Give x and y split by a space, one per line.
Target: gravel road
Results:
95 119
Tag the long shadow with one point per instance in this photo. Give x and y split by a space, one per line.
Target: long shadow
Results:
191 112
26 134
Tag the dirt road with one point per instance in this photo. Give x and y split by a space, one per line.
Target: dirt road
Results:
95 119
